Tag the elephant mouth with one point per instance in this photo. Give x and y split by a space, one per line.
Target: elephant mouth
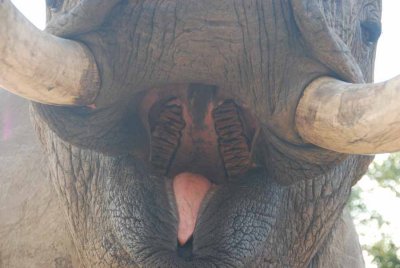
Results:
199 139
201 157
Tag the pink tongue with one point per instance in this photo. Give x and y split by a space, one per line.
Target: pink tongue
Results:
190 190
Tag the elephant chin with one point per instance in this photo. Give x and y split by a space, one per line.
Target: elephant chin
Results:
145 213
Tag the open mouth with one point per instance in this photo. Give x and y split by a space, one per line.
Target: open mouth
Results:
199 139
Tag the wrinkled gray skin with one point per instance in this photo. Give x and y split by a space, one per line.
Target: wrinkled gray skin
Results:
288 212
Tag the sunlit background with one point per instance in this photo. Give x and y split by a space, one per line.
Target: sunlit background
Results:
375 198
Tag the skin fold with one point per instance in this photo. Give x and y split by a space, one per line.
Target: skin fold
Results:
177 70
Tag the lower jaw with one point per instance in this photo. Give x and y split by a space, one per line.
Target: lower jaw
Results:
146 227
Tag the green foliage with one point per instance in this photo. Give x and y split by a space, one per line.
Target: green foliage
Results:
356 204
385 254
387 175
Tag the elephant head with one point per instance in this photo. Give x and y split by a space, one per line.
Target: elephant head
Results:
203 133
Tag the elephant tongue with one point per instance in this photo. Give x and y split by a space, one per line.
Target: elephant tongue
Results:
190 190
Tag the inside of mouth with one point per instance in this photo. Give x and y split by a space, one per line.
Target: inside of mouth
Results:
200 131
199 138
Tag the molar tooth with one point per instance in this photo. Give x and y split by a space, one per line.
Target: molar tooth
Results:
233 144
165 137
174 115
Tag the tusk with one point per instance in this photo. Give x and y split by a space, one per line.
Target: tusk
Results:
41 67
351 118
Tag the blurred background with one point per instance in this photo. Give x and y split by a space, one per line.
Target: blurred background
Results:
375 200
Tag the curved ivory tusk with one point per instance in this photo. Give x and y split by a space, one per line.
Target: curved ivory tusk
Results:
42 67
351 118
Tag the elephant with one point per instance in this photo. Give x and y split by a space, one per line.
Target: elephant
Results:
192 133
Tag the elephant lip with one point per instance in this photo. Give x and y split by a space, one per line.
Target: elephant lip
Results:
205 207
190 191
